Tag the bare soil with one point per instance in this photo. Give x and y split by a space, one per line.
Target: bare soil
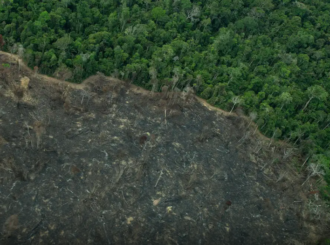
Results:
106 162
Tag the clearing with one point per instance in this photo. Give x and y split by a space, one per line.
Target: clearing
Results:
107 162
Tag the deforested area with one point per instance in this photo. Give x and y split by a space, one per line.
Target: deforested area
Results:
106 162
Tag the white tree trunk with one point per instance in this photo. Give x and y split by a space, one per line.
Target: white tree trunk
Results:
307 103
232 108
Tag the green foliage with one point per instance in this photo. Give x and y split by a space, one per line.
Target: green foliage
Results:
271 58
6 65
158 13
325 242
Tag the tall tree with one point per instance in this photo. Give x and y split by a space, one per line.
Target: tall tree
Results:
316 92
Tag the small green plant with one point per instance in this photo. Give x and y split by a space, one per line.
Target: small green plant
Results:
325 242
6 65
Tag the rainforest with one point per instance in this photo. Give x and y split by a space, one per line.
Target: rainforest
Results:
268 60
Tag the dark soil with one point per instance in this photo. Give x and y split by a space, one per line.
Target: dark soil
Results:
112 164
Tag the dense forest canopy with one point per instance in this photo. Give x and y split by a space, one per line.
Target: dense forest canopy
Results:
270 58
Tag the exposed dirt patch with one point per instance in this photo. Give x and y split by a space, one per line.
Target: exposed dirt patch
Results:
108 163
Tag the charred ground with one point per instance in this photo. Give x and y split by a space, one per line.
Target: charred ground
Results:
108 163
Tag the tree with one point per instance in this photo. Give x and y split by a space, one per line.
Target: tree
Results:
235 100
297 134
63 42
44 17
66 2
158 13
264 4
120 56
113 21
277 133
224 41
154 80
124 16
316 92
193 14
315 169
253 116
285 99
205 23
20 51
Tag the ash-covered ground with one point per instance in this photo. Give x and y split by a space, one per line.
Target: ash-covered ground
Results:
108 163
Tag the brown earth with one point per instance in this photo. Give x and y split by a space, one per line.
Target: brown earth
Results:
106 162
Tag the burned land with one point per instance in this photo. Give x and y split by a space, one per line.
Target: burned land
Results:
105 162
